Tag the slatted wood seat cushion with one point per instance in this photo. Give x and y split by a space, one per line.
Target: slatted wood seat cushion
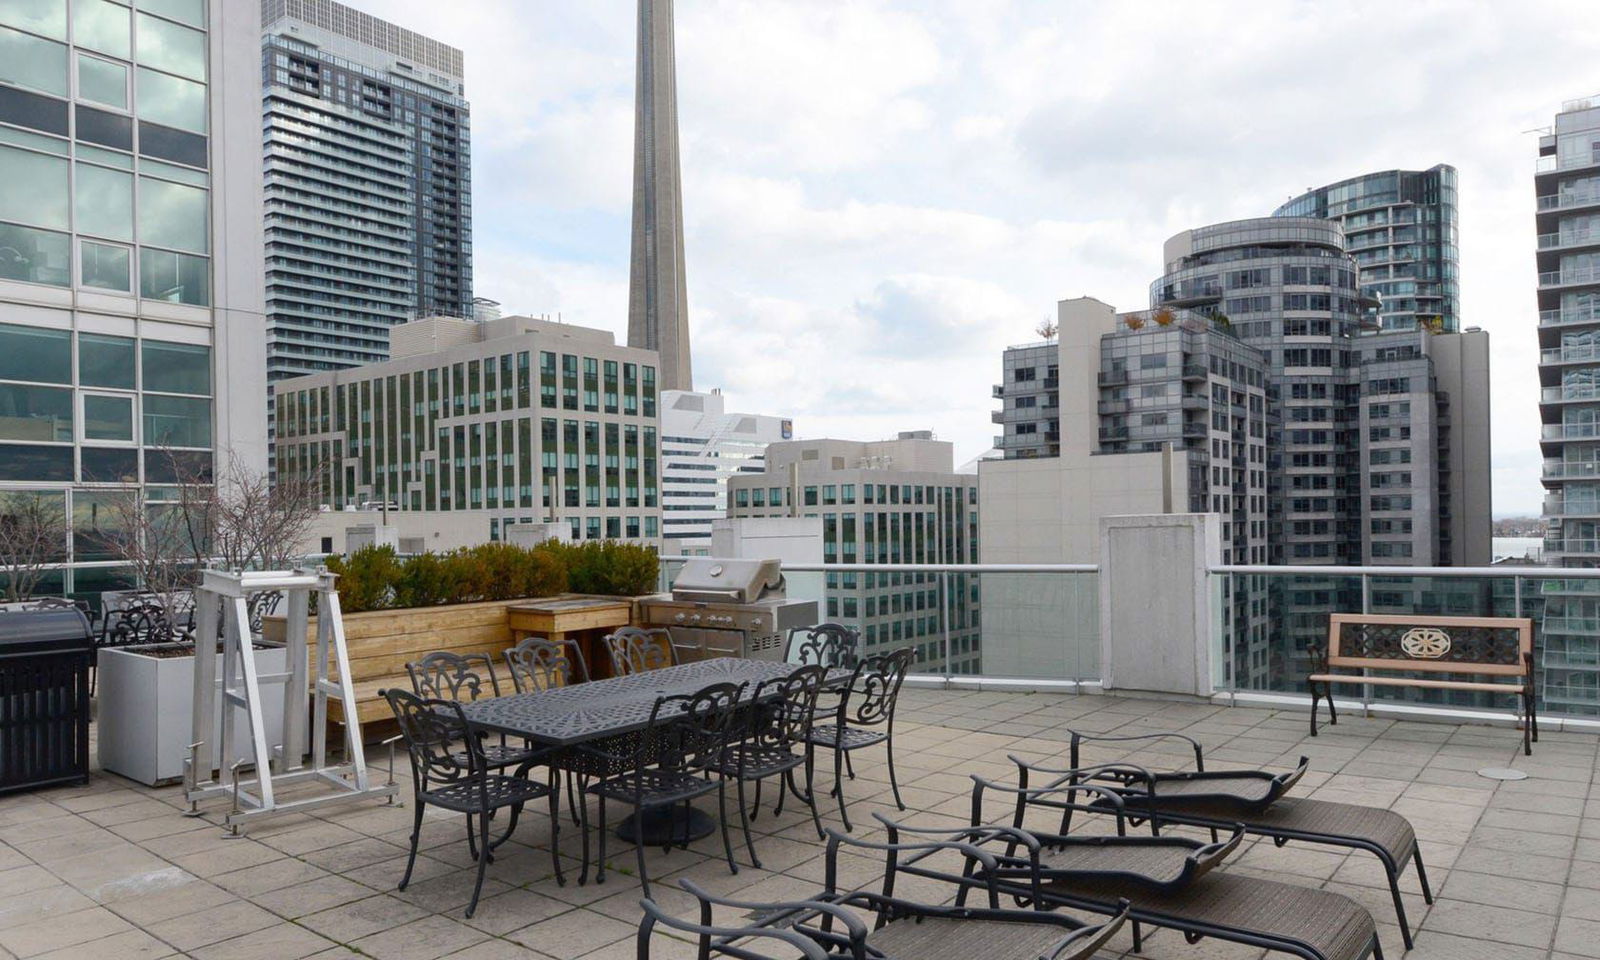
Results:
1334 927
949 939
1512 688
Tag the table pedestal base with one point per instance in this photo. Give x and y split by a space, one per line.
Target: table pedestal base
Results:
660 824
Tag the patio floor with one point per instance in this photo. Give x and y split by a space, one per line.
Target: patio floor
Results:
112 870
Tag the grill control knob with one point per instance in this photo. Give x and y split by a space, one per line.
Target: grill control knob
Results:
695 618
679 618
755 623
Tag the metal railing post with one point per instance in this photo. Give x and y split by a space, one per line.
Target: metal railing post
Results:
1366 688
944 596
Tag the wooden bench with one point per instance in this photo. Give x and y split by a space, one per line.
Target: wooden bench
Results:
1482 646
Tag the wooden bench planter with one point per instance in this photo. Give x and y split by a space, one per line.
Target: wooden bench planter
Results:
382 642
1499 647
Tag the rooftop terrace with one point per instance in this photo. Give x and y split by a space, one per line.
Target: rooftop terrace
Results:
113 870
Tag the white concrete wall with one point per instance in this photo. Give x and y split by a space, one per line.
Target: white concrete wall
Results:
1156 606
790 539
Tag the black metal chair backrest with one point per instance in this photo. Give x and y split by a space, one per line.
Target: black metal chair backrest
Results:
141 620
540 664
262 604
432 729
826 644
691 732
875 688
784 707
454 676
634 650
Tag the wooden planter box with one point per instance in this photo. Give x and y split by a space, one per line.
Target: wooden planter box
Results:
146 710
382 642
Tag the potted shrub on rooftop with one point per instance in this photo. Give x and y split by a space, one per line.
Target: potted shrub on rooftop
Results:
237 521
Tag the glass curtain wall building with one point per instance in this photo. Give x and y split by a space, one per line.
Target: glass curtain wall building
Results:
702 445
130 285
368 184
1567 185
1400 226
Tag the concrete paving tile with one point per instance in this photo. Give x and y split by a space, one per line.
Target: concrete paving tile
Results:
424 939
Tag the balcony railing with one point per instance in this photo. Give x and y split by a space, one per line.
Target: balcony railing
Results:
1562 278
1564 201
1570 354
1571 431
1570 469
1561 318
1009 625
1565 393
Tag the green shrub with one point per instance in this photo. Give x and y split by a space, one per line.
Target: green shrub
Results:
375 578
367 578
611 568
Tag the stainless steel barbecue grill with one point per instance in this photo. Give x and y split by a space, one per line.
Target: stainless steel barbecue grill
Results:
729 608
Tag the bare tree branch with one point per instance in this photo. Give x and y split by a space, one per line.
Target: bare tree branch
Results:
33 535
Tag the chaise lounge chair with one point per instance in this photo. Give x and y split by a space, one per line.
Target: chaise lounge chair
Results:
1220 799
1167 882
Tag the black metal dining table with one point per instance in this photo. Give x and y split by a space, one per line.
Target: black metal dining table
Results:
602 711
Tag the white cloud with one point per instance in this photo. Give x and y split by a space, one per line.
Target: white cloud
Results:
881 194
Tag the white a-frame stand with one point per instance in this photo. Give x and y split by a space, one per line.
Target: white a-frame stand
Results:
222 602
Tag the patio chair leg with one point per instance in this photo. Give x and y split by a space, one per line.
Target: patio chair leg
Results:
516 814
894 784
1422 874
483 860
722 814
416 836
472 838
1377 948
777 811
1138 937
1333 712
1314 696
811 791
744 821
600 862
638 846
849 768
1399 906
755 808
583 834
838 787
555 827
575 794
810 800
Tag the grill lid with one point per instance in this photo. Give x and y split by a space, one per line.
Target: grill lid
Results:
729 581
39 631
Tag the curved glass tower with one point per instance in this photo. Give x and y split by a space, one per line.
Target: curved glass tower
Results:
1400 226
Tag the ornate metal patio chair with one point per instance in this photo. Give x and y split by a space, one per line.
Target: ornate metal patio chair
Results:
864 717
780 721
634 650
449 770
826 644
540 664
467 677
674 761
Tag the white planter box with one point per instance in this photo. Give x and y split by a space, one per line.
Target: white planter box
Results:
146 706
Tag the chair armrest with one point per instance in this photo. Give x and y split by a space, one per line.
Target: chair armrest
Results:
1116 798
851 921
1085 942
809 948
979 833
1081 738
1125 773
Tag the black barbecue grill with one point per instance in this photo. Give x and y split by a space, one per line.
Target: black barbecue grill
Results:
44 698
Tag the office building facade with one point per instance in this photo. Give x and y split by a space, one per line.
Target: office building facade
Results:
130 246
884 502
1400 227
526 419
702 447
1030 405
1567 185
368 184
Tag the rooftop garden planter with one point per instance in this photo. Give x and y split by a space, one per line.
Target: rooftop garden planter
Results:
146 704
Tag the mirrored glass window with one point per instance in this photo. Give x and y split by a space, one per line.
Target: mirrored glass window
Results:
33 188
106 267
42 414
107 418
34 256
177 367
174 277
167 46
101 25
177 421
105 361
105 202
189 11
172 215
48 17
171 100
35 353
102 81
33 62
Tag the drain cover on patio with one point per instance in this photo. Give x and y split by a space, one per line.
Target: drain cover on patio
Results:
1502 773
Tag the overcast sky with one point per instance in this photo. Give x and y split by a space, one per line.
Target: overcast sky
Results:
880 196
